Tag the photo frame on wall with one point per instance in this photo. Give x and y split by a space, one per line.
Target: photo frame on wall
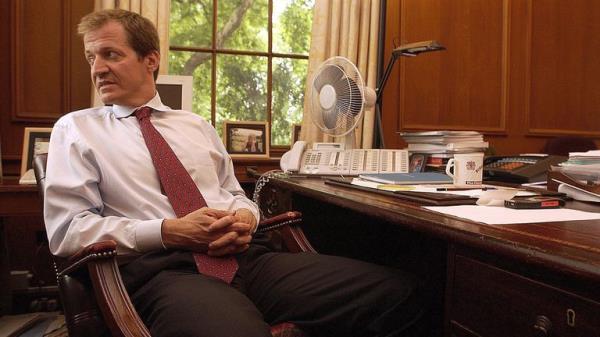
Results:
296 129
246 139
35 141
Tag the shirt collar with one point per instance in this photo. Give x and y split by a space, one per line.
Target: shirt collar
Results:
155 103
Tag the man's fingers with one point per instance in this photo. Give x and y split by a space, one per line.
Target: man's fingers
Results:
243 240
221 223
229 224
223 241
215 213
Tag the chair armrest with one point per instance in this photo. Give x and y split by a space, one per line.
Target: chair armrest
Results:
278 221
95 251
292 235
112 299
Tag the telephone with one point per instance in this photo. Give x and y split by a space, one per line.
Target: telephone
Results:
519 169
333 159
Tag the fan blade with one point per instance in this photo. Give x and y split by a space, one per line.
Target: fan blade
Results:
329 74
349 96
330 118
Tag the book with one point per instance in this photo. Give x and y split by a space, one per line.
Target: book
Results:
408 178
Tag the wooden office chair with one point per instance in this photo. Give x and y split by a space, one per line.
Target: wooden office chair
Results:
93 296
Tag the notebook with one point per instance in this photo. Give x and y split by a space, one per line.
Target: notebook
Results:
408 178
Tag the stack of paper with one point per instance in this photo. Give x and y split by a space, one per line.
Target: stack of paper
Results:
438 146
445 141
580 176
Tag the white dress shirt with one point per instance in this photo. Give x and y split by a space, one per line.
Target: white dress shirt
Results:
101 183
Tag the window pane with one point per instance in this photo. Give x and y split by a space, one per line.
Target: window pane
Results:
191 23
292 22
243 24
289 77
197 65
241 88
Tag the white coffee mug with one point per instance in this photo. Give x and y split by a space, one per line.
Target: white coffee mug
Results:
468 168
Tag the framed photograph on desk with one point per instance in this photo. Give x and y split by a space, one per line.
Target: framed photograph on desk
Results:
246 139
417 162
35 141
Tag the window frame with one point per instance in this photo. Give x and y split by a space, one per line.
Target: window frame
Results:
269 54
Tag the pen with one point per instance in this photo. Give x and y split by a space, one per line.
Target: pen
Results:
439 189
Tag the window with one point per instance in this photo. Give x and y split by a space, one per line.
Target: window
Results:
249 59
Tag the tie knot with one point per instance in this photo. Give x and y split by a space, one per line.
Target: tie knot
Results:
143 112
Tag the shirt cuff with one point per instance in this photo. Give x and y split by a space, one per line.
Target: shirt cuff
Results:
148 235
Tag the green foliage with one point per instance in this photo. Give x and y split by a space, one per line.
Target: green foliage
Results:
191 23
241 83
295 22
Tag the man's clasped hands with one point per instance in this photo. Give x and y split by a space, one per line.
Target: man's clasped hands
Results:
212 231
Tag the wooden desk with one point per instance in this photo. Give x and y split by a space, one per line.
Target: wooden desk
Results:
21 231
500 280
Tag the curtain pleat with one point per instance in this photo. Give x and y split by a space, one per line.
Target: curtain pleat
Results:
349 29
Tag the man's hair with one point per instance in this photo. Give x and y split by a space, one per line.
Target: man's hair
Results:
140 32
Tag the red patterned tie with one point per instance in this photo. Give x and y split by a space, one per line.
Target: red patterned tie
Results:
182 192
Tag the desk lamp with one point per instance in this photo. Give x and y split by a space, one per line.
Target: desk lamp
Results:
411 50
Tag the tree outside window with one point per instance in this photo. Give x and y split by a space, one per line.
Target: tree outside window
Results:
249 59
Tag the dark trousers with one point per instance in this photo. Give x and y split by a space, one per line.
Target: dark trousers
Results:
324 295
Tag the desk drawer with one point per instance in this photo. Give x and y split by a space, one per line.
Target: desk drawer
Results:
491 302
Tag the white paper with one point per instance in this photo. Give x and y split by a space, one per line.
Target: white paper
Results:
473 193
502 215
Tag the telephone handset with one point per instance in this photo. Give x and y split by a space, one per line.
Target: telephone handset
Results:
333 159
519 169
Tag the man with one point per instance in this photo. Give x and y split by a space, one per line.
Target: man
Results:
101 184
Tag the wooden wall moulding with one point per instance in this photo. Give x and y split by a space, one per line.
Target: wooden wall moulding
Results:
563 81
520 71
47 59
464 87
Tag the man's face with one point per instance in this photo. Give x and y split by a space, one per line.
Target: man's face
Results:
118 73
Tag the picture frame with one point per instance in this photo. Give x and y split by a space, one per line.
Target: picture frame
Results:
417 162
176 91
35 141
296 129
246 139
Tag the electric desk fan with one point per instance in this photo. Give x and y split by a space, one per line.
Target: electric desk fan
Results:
338 98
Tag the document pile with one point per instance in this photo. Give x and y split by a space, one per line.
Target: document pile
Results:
439 146
579 177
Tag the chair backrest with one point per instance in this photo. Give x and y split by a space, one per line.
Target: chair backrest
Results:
39 169
82 314
561 146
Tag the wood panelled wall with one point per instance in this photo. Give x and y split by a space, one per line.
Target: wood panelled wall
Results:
43 73
520 71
